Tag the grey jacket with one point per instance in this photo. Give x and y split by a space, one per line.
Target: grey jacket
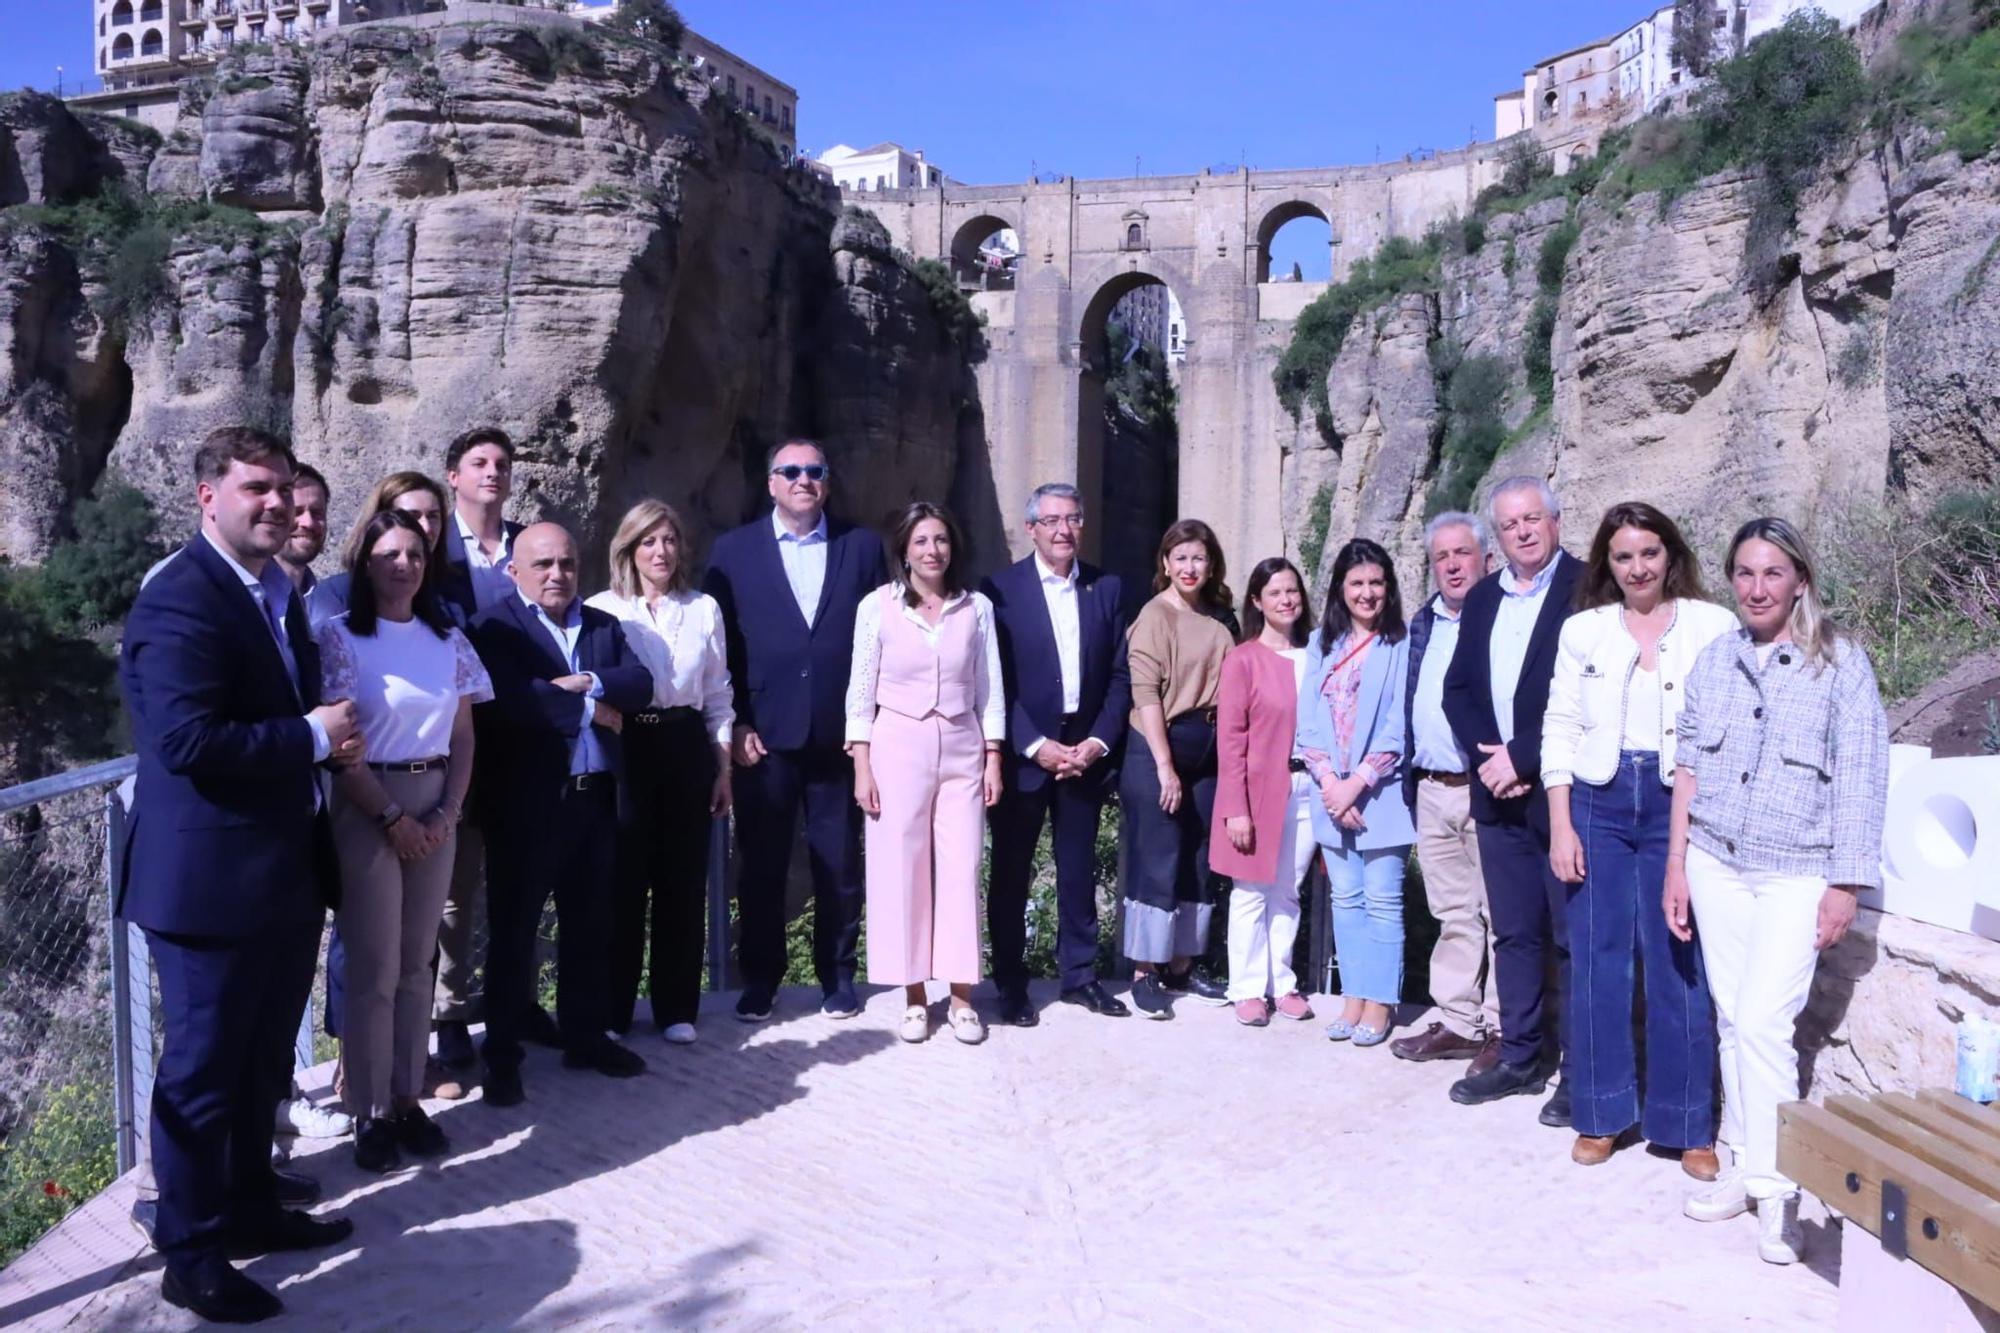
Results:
1791 765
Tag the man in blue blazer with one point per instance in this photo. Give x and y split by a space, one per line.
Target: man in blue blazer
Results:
549 757
229 866
1495 694
788 586
1062 655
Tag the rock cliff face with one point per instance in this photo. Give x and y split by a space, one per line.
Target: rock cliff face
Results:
1873 365
407 229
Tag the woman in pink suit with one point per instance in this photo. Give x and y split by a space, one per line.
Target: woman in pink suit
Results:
1263 837
925 721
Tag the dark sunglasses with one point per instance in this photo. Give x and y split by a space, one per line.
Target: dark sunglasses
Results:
793 471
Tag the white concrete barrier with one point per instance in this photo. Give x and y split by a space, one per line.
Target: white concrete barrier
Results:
1941 841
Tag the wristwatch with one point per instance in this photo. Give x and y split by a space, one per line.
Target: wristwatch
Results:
390 814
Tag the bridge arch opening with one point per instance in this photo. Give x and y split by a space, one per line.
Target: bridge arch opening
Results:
985 253
1128 427
1295 238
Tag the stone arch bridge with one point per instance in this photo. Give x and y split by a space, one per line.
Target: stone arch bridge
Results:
1085 244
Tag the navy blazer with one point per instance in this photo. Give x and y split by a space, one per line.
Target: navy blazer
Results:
527 732
454 581
790 677
1032 673
1468 685
226 839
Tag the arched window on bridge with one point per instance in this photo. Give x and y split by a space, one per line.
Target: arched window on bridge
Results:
1135 230
985 254
1295 238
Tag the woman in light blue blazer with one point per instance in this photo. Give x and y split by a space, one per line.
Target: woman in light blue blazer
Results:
1351 742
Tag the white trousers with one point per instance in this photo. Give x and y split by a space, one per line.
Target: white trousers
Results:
1756 930
1264 918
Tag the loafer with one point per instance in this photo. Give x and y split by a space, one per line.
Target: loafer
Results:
1092 996
295 1189
1502 1080
1364 1035
418 1133
1150 998
1339 1030
965 1024
1436 1042
541 1029
454 1045
503 1087
1294 1007
916 1024
1701 1163
1592 1149
283 1230
608 1058
440 1082
220 1295
680 1034
1016 1010
1206 989
840 1002
375 1145
1253 1013
1555 1112
753 1006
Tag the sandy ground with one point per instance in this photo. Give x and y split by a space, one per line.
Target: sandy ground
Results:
1089 1173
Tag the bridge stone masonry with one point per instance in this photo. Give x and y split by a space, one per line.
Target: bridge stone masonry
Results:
1086 243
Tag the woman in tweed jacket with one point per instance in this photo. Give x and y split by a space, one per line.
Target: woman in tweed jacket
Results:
1782 775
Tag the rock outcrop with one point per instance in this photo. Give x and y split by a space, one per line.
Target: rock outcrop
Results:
405 229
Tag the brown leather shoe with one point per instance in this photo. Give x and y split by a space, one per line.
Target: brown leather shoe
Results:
443 1083
1436 1042
1489 1056
1701 1163
1592 1150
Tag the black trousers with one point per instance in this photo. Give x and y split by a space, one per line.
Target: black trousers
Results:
769 797
568 849
1074 809
231 1009
662 866
1169 889
1529 909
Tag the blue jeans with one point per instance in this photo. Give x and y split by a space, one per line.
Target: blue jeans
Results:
1366 889
1615 922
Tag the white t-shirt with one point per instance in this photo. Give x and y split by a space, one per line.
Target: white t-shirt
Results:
1645 710
405 682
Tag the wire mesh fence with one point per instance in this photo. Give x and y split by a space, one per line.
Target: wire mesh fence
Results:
59 1025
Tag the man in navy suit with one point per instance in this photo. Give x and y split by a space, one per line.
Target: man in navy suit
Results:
1062 655
229 867
788 586
549 760
1495 693
478 538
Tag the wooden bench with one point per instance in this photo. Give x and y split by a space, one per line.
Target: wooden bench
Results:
1921 1174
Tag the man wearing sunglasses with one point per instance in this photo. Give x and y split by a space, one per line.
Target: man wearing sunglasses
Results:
788 586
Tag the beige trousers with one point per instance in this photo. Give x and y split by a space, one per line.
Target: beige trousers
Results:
1462 962
389 912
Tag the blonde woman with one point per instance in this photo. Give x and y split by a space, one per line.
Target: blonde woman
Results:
1781 777
676 768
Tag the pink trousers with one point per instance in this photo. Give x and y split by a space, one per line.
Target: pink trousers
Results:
924 849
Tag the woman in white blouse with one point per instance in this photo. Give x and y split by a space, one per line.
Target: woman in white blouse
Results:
676 768
413 679
925 721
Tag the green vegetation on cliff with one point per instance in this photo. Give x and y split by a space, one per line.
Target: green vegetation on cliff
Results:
1398 266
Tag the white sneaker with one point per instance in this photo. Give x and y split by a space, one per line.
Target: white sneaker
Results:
1781 1241
301 1117
680 1034
916 1025
1720 1200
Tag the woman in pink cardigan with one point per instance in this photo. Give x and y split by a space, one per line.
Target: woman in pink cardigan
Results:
1263 838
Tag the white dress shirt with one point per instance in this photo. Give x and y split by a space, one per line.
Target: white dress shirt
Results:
1432 744
679 638
489 577
805 562
1513 626
988 699
1060 594
272 593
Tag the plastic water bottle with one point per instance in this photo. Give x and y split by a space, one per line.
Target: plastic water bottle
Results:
1978 1058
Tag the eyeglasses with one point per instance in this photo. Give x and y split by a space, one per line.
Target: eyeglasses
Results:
793 471
1053 521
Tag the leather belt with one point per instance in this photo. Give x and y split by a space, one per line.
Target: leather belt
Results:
653 717
1298 765
1443 779
414 766
588 782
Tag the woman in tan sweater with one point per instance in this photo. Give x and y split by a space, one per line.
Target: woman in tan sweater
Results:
1176 648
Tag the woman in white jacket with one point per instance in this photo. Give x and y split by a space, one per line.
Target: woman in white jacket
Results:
1608 761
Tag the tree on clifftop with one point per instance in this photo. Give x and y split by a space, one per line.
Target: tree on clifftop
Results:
654 20
1694 36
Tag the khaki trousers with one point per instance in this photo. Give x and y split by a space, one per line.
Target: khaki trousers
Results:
1462 962
389 912
461 937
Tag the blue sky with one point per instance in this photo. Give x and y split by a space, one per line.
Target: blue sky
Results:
1093 87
